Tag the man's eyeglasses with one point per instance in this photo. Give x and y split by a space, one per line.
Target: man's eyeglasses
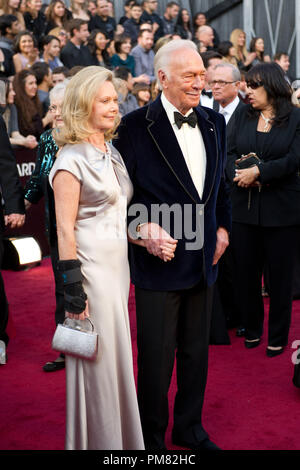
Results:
220 83
253 85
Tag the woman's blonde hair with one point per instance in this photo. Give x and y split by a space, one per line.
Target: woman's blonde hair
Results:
74 7
78 104
234 39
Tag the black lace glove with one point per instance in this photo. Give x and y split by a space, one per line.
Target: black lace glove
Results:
75 297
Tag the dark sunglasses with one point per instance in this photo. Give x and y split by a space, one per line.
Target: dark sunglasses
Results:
253 85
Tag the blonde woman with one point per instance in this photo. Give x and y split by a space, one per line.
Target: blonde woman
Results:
91 189
79 9
243 57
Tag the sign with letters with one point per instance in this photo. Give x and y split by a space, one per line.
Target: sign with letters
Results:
35 216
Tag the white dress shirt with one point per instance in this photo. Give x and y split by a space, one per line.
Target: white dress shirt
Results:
228 110
206 101
191 144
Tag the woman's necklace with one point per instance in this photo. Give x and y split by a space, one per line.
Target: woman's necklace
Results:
267 122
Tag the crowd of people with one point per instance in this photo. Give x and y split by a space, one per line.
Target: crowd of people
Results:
67 77
49 40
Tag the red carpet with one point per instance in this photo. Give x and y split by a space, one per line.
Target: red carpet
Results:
251 403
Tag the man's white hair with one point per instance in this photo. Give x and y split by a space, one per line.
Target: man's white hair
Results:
205 28
236 75
164 54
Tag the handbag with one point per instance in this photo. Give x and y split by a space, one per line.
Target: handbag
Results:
247 161
72 338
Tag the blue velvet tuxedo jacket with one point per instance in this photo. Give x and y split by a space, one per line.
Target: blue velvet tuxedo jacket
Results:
160 175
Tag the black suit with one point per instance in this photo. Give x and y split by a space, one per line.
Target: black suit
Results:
108 25
132 29
225 307
72 55
12 194
266 222
231 123
173 300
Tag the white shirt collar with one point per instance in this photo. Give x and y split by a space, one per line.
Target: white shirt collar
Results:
230 108
170 109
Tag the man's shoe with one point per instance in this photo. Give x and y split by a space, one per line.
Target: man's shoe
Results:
274 352
252 343
206 444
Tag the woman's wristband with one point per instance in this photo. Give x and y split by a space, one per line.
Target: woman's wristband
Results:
75 297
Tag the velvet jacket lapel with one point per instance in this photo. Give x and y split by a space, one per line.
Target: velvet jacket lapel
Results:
162 133
165 140
209 135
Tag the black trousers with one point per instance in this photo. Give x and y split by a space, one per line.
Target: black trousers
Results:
166 322
3 301
272 248
225 287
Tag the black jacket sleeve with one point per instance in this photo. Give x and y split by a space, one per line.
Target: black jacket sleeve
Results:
11 188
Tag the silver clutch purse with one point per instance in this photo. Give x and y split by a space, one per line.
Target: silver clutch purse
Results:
72 338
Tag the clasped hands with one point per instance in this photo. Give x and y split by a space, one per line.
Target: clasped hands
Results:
14 220
157 241
247 177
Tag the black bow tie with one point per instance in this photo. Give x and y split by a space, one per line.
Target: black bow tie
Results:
207 93
191 119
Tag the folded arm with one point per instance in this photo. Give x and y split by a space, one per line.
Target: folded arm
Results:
66 189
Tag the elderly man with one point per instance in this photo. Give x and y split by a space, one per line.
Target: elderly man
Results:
11 215
174 151
205 35
225 85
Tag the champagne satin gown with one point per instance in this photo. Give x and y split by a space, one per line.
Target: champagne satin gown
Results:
102 409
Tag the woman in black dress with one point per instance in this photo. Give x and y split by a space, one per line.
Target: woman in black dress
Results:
183 25
266 203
